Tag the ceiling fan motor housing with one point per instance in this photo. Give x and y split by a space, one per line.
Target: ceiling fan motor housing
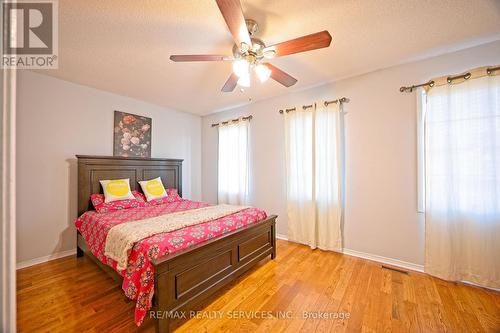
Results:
251 53
252 26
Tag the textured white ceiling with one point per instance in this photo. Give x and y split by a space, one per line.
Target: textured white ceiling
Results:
123 46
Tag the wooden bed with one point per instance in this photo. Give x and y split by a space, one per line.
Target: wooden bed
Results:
184 279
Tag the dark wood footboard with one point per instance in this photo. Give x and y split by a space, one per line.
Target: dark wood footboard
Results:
186 279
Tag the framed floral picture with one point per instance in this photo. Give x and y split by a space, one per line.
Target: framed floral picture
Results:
132 135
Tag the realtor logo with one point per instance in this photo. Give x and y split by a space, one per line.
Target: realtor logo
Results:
30 31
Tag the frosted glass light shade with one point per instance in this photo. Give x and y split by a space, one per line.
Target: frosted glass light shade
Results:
263 72
244 80
241 67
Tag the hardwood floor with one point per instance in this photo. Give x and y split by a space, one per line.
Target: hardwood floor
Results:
74 295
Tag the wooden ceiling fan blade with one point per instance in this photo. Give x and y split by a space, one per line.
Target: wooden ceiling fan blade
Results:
230 83
310 42
282 77
233 15
199 57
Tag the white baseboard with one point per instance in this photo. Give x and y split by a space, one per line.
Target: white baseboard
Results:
477 285
282 237
40 260
374 257
385 260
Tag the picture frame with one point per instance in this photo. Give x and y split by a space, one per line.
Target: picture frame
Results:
131 135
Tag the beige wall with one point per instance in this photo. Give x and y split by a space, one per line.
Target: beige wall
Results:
56 120
381 191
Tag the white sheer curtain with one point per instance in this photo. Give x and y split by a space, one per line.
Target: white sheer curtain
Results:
462 188
233 163
314 164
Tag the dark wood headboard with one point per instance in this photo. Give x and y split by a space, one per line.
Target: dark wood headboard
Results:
92 169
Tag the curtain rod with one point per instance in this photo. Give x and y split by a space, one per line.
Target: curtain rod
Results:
305 107
232 121
449 79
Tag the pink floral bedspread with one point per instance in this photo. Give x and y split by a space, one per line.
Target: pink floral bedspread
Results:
138 278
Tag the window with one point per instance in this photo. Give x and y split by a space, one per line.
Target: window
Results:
233 163
421 109
462 148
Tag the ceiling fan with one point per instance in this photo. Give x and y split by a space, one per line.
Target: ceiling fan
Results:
249 52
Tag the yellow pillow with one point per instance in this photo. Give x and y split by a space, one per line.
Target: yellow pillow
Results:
116 189
153 189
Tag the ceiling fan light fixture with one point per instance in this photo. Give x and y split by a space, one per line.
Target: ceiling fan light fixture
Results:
249 51
263 72
244 47
244 81
241 68
269 53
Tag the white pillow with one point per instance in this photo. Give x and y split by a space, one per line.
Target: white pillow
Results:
153 189
116 189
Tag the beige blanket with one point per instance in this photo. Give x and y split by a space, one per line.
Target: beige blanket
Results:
122 237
